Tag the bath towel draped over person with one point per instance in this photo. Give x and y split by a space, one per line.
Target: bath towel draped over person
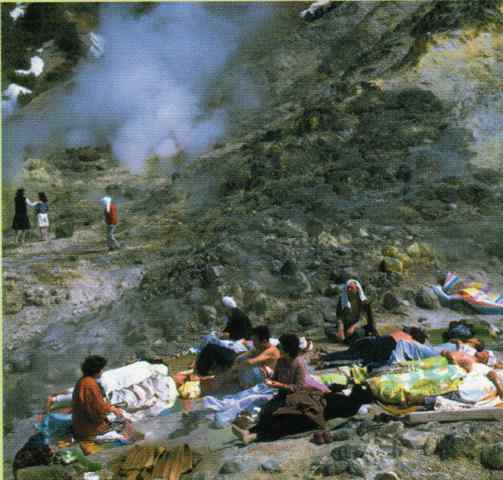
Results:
352 304
89 408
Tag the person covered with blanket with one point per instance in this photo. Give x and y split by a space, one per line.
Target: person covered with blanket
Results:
298 406
352 305
256 366
89 408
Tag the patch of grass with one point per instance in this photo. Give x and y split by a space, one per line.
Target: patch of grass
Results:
45 274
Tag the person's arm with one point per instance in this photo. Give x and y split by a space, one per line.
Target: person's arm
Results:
92 400
262 358
451 358
340 324
299 378
31 204
493 376
370 317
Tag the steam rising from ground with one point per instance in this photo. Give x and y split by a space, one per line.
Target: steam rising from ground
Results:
146 95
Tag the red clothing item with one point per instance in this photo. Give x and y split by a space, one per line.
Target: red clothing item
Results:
112 215
400 335
89 409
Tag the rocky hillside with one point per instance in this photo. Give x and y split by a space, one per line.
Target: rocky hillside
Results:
376 153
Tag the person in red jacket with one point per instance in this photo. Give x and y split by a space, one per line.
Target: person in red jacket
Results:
111 219
89 407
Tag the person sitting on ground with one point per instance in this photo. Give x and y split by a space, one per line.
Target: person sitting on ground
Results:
256 366
350 307
299 404
238 324
377 349
89 408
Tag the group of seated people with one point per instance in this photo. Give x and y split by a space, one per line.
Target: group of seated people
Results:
249 356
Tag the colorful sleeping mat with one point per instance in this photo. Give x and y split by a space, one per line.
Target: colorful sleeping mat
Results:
478 295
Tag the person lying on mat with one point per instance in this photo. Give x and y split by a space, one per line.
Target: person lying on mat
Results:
376 349
468 362
89 408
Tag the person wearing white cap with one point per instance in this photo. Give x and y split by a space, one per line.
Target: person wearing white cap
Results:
111 220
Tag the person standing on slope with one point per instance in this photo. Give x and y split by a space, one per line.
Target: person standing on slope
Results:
111 220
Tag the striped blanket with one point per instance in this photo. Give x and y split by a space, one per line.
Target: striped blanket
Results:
476 294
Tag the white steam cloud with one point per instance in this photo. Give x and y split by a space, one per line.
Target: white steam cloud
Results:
145 96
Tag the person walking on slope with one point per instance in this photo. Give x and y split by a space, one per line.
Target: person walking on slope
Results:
41 209
111 221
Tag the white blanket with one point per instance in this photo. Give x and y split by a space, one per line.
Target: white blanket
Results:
124 377
476 387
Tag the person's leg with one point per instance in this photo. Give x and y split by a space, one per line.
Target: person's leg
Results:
450 347
344 406
284 425
205 360
46 233
411 351
357 334
331 333
116 244
111 241
348 354
370 328
224 357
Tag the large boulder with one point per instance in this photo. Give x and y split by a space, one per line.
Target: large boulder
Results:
427 299
454 446
491 456
391 265
390 301
309 318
